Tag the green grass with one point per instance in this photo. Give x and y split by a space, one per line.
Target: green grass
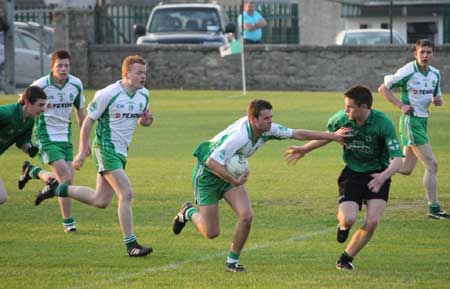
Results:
292 243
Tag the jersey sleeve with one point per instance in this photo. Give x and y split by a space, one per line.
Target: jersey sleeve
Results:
25 137
399 78
80 100
4 116
146 94
437 90
278 132
98 105
336 121
228 148
391 139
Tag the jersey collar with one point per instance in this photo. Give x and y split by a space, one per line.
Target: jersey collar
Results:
250 132
417 68
53 83
126 92
368 121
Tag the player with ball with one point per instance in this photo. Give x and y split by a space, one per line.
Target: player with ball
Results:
212 180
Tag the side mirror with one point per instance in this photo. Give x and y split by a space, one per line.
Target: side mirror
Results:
139 29
230 28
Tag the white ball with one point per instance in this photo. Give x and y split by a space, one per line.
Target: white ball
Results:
236 165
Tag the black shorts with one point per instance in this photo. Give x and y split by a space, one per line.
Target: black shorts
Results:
353 187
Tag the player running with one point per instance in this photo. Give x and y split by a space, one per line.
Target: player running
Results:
419 83
211 180
118 109
16 125
53 130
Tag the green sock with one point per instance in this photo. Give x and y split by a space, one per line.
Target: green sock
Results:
69 222
34 172
130 241
434 208
233 257
190 212
61 190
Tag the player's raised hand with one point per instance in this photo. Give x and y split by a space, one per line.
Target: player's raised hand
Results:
293 154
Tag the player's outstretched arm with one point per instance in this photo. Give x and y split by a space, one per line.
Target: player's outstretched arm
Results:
339 135
294 153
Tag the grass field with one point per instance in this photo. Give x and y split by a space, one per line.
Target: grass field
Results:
292 243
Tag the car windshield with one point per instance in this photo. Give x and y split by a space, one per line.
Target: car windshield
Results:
185 20
370 38
25 41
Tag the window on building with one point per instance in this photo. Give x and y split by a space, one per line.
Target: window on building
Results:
363 26
420 30
384 26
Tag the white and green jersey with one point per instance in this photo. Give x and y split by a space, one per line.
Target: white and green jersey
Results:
54 125
417 88
117 113
238 139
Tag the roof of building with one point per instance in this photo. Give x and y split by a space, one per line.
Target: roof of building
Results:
396 2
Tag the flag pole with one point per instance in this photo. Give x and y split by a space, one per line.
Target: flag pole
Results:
244 85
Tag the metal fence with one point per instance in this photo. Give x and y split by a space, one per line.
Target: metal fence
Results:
114 24
38 15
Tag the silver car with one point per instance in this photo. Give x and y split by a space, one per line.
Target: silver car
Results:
368 37
27 58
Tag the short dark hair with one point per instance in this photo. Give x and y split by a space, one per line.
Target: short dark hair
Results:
31 94
60 54
424 43
255 107
360 95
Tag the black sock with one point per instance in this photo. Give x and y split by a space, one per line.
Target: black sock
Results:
345 257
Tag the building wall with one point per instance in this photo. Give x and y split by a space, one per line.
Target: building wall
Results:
274 67
320 21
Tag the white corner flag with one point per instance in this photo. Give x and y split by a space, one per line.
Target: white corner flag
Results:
234 47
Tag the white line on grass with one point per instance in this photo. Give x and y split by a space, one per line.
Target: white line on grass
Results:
173 265
255 247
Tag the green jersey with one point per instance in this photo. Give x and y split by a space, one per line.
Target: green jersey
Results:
373 145
13 127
